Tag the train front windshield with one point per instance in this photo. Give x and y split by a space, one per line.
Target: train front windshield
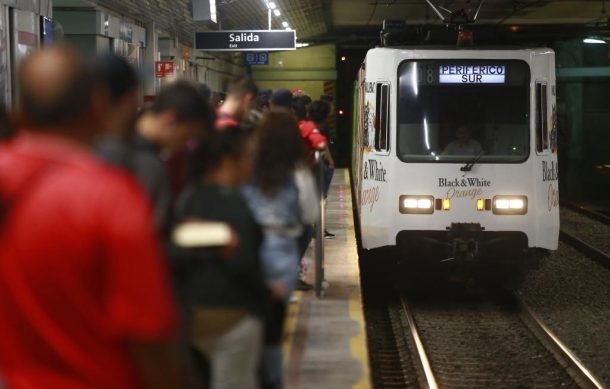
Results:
456 110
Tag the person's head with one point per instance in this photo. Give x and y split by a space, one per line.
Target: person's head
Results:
328 99
318 111
274 163
462 133
205 91
224 157
241 96
281 99
179 113
299 106
59 94
263 100
121 81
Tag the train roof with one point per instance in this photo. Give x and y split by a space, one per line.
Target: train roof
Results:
463 48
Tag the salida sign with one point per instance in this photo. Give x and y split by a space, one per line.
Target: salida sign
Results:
245 40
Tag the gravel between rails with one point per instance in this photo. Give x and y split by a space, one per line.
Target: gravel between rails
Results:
571 294
591 231
474 342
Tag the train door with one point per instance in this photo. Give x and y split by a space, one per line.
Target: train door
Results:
546 171
376 160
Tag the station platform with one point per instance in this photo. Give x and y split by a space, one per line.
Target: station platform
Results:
325 344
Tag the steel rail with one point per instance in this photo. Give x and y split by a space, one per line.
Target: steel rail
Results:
583 210
573 365
419 345
590 251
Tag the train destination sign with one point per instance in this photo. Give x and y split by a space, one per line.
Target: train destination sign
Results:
245 40
472 74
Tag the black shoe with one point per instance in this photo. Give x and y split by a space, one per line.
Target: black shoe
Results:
302 285
328 235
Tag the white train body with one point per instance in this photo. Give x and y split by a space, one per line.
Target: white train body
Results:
416 191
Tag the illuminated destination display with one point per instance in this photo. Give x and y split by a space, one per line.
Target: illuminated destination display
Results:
472 74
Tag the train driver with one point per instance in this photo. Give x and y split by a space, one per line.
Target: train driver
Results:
463 144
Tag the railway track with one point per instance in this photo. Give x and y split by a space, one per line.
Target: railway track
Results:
450 367
573 235
583 209
463 340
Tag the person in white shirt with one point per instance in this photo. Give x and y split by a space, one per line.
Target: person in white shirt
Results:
463 145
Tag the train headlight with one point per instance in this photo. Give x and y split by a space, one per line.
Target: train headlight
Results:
416 204
509 205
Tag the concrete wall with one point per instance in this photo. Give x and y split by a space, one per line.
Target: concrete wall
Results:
305 68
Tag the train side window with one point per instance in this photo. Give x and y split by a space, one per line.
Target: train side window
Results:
542 130
382 116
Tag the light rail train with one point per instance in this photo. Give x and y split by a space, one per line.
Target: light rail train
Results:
454 153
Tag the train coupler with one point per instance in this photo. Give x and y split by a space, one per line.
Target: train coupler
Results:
465 241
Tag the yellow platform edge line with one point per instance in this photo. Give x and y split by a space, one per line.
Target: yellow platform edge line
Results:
290 326
358 343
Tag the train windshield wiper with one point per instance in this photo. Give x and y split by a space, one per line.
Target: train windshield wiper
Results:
469 165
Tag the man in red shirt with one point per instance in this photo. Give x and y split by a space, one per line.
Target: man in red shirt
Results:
85 298
314 140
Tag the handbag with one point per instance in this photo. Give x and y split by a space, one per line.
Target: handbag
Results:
309 199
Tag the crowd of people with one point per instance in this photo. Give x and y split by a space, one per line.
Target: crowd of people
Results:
151 246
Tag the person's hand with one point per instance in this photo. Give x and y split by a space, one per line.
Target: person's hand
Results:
277 291
227 251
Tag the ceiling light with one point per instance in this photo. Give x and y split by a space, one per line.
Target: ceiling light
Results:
299 44
594 40
272 5
277 12
285 24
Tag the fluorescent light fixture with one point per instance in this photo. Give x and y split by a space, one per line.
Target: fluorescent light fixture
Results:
594 41
277 12
285 24
299 44
204 10
272 5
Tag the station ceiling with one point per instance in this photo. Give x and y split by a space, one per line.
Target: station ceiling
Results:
359 21
354 21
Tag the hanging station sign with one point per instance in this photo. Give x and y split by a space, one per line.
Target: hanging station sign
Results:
246 40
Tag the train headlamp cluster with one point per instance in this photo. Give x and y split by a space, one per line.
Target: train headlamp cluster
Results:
500 205
416 204
509 205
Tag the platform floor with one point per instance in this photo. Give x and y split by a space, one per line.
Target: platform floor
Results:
325 346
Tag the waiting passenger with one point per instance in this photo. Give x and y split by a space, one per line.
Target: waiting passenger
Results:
273 197
117 76
179 113
281 99
241 97
85 298
318 112
463 145
225 292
